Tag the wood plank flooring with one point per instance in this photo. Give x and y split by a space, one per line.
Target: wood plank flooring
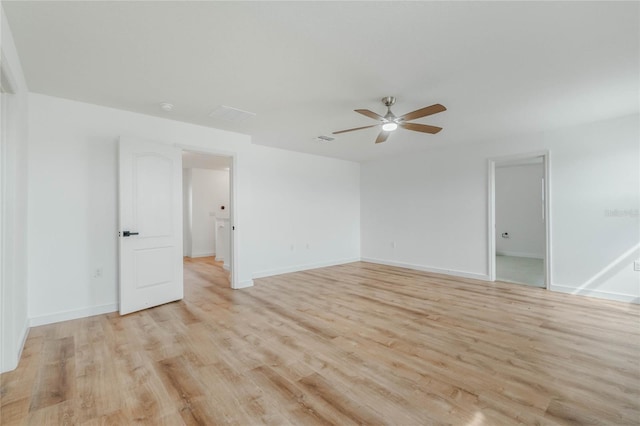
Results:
350 344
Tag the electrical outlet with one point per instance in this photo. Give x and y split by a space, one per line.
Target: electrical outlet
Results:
308 246
292 247
97 273
636 265
393 244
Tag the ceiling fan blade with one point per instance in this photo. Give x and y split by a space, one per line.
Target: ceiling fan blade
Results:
357 128
423 112
369 114
420 128
382 136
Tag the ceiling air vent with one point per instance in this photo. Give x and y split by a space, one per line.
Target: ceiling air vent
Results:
231 114
323 138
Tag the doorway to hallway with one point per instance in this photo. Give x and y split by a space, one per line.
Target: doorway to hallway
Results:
519 219
206 189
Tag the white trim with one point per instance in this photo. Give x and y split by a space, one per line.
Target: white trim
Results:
225 266
244 284
548 264
73 314
491 216
23 338
491 220
9 89
610 295
519 254
453 272
233 196
9 364
306 267
206 254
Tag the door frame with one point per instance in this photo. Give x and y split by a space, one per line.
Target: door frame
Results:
491 223
233 195
12 334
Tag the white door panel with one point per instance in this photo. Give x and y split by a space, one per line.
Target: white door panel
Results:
150 205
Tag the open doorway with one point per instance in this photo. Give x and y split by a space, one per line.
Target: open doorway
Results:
207 219
519 220
151 259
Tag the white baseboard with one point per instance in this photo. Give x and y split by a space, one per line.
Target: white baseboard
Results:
455 273
519 254
206 254
243 284
73 314
621 297
298 268
226 267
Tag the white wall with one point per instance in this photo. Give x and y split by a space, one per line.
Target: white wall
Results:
434 206
13 211
73 214
73 222
210 191
307 211
518 192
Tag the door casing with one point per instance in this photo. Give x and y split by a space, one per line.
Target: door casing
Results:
491 203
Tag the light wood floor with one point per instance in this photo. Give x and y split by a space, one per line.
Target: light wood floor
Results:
357 343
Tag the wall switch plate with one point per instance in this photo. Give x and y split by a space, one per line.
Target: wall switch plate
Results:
636 265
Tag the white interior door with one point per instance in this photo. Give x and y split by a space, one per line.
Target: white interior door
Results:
150 224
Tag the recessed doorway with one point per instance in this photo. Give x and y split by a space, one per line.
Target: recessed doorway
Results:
519 249
207 219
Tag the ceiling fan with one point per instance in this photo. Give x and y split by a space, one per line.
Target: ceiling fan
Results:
390 122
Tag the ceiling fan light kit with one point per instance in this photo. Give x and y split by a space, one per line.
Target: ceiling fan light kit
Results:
389 127
390 122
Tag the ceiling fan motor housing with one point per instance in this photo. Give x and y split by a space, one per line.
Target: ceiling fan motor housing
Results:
388 101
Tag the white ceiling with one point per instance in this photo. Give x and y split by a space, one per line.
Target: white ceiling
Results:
499 67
